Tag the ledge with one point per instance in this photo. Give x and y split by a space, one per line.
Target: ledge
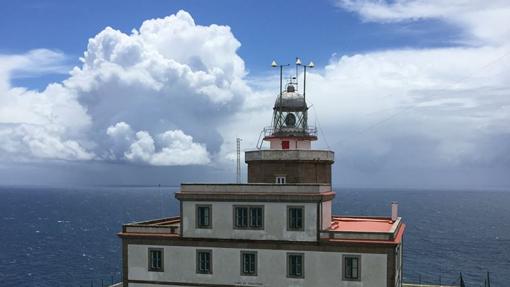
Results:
170 225
291 155
296 188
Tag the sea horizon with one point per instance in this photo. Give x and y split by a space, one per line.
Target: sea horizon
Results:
69 234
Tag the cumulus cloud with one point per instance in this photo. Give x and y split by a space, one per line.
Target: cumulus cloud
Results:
173 92
167 76
170 148
33 124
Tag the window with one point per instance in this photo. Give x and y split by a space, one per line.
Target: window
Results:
281 180
156 259
295 265
295 218
285 145
248 217
248 263
204 261
352 267
203 216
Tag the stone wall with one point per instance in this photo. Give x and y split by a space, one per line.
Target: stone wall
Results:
262 171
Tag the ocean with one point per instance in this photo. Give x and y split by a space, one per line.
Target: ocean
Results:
53 236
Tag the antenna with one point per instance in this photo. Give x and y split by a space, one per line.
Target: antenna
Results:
298 63
238 169
274 65
311 65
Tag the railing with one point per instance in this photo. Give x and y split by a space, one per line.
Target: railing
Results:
270 131
310 131
115 280
444 280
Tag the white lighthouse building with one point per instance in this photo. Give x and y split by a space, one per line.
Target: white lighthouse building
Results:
276 230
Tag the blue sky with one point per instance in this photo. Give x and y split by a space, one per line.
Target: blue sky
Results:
408 93
273 29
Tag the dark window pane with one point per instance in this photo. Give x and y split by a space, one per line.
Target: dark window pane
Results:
241 217
249 263
204 216
155 260
256 217
295 218
204 262
295 265
351 268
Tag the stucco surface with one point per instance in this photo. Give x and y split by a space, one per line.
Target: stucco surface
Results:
321 268
275 222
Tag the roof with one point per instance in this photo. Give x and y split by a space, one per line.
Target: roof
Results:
291 102
361 224
362 229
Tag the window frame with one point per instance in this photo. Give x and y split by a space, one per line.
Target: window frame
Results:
302 207
281 178
289 275
242 271
344 266
198 263
197 216
249 225
150 250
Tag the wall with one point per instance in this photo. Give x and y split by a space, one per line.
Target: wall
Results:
321 268
294 171
326 214
275 222
276 143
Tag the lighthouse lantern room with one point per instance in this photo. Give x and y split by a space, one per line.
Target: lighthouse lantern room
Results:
289 128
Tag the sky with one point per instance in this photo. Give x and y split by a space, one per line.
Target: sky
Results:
408 93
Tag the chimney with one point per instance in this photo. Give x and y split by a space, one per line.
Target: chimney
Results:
394 211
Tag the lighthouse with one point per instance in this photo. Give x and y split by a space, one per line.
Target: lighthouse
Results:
290 158
276 230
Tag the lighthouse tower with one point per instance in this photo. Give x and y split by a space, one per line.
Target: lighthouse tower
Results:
290 158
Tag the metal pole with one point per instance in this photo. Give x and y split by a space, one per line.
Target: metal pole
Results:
297 80
304 83
238 168
281 75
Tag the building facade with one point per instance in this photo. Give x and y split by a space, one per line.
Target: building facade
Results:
276 230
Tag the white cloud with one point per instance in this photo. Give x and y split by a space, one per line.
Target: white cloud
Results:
168 75
171 148
485 21
43 125
35 62
175 93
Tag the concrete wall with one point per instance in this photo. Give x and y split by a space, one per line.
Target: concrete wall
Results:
321 268
275 222
276 143
326 214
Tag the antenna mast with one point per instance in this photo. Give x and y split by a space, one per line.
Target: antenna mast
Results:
238 169
311 65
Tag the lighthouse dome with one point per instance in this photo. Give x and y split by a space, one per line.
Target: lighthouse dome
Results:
290 101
